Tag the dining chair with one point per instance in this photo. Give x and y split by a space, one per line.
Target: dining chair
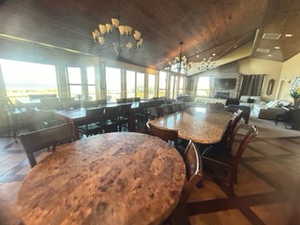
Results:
194 176
94 123
111 116
153 113
164 134
224 164
123 116
46 138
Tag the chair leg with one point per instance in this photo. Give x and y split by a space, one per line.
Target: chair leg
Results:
31 159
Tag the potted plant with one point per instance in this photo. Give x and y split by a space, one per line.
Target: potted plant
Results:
295 94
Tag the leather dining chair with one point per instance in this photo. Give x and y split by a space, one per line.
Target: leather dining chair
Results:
164 134
46 138
194 176
223 165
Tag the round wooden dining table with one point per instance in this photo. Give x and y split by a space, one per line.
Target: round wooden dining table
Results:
109 179
201 124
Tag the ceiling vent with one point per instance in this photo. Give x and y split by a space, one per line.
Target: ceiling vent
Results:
271 36
263 50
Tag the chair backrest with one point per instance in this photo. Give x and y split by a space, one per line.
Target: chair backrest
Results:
45 138
112 113
240 142
166 135
124 109
95 114
153 112
194 169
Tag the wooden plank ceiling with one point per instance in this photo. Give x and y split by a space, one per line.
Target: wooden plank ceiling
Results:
282 17
205 27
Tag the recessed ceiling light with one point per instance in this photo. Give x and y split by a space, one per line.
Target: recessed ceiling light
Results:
289 35
269 55
214 54
197 56
277 47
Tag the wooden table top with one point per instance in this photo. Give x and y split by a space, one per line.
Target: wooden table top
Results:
200 124
109 179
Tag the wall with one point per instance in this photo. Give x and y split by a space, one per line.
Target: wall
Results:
230 70
290 70
272 70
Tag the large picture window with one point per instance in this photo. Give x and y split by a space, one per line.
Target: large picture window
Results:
75 82
140 85
151 85
113 83
181 85
162 84
203 86
23 79
172 86
91 82
130 84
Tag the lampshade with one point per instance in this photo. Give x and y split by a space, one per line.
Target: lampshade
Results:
115 22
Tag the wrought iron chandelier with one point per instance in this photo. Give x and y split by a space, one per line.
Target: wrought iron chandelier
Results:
117 36
180 63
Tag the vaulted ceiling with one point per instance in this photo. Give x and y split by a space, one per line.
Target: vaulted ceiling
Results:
282 18
205 27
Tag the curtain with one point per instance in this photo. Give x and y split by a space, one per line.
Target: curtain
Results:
251 85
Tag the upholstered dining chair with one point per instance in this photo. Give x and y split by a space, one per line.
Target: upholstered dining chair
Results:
194 176
223 164
164 134
46 138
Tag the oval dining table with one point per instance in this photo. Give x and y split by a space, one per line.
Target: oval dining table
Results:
109 179
201 124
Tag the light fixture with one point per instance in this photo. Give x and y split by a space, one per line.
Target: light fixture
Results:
214 54
117 36
277 47
180 63
270 55
289 35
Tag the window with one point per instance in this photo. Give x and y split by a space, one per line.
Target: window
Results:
162 84
23 79
203 86
130 84
140 85
113 83
74 75
151 85
181 85
172 79
176 86
91 82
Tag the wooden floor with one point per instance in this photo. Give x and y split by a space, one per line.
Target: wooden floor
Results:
267 191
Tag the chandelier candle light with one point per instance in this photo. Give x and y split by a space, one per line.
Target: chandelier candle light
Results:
128 38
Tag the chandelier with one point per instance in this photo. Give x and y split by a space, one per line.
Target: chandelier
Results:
180 63
117 36
207 64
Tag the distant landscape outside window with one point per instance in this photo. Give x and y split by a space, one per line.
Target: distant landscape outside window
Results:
181 85
91 82
203 87
140 84
23 79
172 86
151 85
176 86
74 75
130 84
162 84
113 83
